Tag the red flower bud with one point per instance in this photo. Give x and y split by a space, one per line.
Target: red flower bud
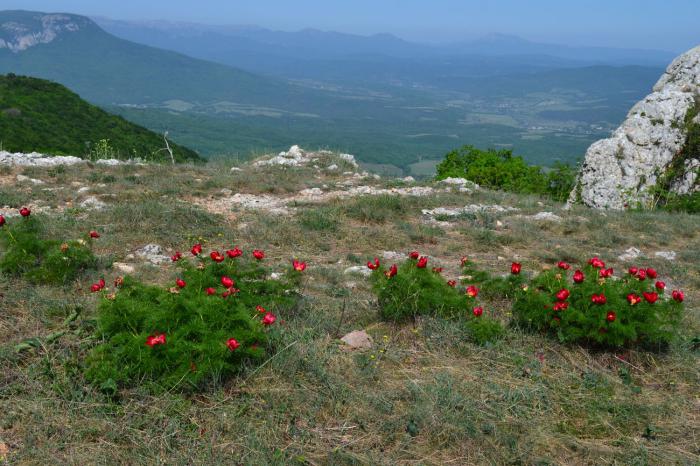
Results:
641 274
599 299
611 316
651 273
233 253
24 212
422 262
472 291
180 283
579 277
660 285
560 306
563 265
196 249
258 254
678 296
452 283
597 263
227 282
261 309
414 255
651 297
176 257
605 273
478 311
2 220
269 319
232 344
515 268
94 234
563 295
210 291
95 287
633 270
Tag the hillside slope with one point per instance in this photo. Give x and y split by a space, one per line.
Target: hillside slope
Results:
42 116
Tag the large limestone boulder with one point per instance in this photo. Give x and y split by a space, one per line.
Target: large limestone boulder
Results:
621 170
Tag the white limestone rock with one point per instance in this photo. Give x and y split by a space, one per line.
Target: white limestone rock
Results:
620 170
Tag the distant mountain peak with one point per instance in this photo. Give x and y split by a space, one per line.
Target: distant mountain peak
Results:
21 30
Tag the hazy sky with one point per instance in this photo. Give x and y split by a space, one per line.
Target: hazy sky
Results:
661 24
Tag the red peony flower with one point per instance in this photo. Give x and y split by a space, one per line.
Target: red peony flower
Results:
633 270
210 291
298 266
180 283
2 220
579 277
176 257
422 262
478 311
119 281
196 249
258 254
373 265
261 309
217 257
464 260
472 291
515 268
651 297
414 255
563 265
233 253
229 292
393 270
678 296
154 340
269 319
95 287
611 316
452 283
101 283
642 274
24 212
437 269
599 299
227 282
660 285
232 344
94 234
633 299
560 306
606 273
597 263
563 295
651 273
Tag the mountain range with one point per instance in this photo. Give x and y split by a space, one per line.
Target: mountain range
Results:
397 105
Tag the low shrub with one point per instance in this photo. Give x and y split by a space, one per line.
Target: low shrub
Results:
593 306
502 170
213 321
414 288
27 252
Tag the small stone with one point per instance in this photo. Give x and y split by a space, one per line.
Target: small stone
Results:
630 254
93 203
359 339
332 167
235 169
547 217
668 255
359 270
409 179
123 267
153 253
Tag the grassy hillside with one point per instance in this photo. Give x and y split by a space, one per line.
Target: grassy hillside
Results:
425 393
42 116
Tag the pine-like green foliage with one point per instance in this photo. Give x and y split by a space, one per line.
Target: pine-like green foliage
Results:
415 291
503 171
27 252
196 325
643 323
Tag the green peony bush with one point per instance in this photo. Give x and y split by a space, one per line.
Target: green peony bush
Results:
27 252
214 320
413 289
593 306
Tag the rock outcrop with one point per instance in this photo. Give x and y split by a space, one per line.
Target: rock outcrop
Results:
621 170
18 36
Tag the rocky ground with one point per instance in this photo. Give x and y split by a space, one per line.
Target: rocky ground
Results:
348 389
